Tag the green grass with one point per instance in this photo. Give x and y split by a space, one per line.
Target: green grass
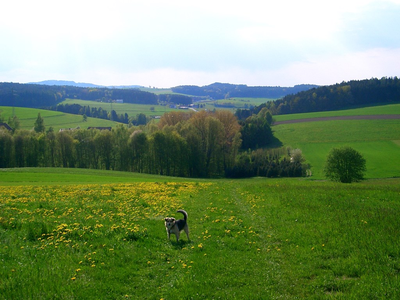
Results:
369 110
55 119
157 110
253 239
121 108
243 103
157 91
55 176
377 140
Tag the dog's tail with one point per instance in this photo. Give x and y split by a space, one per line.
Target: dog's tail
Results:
185 215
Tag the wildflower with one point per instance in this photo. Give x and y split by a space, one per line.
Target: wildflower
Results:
73 278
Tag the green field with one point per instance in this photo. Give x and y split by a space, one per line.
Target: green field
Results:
55 119
242 103
369 110
376 140
157 91
121 108
100 235
157 110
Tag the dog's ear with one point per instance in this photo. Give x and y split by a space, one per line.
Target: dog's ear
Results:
165 219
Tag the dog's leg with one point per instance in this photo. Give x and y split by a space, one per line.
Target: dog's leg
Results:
177 236
169 234
186 228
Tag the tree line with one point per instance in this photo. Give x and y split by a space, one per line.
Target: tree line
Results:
339 96
225 90
40 96
203 144
98 112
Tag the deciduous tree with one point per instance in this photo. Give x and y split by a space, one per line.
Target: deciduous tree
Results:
345 165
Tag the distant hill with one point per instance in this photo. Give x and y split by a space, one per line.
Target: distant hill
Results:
226 90
41 96
339 96
83 85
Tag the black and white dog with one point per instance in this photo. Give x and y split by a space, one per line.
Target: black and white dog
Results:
176 226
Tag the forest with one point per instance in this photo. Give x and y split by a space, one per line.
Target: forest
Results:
226 90
42 96
202 145
339 96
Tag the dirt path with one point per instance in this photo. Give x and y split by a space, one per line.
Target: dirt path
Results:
363 117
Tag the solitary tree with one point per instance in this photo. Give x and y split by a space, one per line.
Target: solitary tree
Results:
345 165
39 124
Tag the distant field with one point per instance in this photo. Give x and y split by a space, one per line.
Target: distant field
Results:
243 103
370 110
121 108
57 120
377 140
157 91
157 110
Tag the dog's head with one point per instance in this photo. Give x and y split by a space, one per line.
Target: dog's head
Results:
169 222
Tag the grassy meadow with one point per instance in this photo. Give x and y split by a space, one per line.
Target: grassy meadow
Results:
255 238
55 119
121 108
377 140
157 110
243 103
361 111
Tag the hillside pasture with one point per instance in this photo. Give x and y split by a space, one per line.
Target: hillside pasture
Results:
234 103
250 239
363 111
121 108
57 120
375 139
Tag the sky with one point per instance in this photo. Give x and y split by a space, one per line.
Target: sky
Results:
164 44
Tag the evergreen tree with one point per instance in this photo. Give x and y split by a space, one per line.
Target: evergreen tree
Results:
39 124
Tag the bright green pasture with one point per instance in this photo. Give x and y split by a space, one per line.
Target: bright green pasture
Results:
55 119
388 109
377 140
250 239
243 103
157 91
121 108
54 176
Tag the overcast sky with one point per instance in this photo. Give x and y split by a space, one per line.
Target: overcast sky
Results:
168 43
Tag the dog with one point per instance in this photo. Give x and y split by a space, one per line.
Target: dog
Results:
176 226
